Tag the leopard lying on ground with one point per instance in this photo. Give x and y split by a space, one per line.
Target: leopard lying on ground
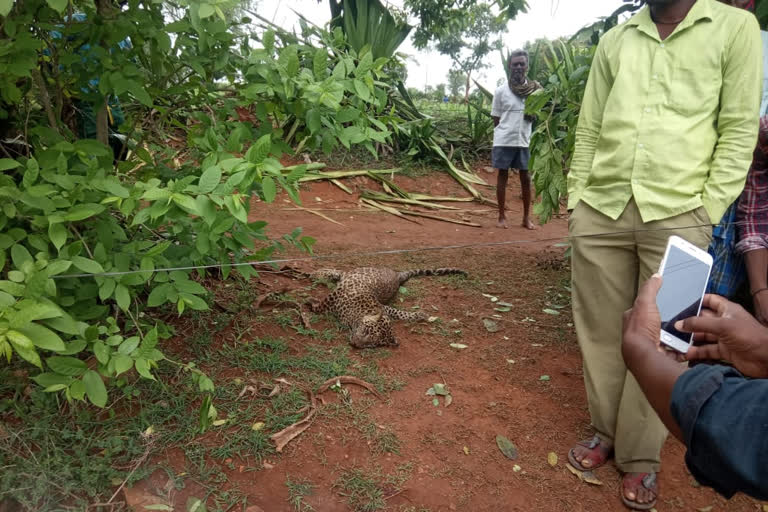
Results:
359 301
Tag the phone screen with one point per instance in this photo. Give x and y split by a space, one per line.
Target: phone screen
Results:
684 280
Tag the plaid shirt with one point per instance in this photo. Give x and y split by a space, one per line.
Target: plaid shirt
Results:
752 213
728 270
744 226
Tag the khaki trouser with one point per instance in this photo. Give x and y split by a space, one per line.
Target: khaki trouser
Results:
606 272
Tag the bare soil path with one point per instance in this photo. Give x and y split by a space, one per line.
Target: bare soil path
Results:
519 376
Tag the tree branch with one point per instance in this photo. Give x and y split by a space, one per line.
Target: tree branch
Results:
45 99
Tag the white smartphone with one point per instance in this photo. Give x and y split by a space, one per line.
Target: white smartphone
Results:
685 272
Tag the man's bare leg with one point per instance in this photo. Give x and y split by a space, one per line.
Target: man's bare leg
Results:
525 185
501 195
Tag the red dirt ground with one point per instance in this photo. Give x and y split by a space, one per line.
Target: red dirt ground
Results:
491 394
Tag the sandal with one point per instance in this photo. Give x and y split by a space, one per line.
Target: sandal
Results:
598 455
648 481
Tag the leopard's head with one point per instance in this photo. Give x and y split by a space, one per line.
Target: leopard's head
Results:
372 331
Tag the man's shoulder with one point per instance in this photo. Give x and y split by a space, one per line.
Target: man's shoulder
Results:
500 90
724 13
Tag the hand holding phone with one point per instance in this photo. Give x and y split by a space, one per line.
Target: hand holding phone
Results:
685 272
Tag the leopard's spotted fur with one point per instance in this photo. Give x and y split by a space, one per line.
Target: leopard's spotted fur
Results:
359 301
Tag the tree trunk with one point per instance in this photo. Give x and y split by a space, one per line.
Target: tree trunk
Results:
102 124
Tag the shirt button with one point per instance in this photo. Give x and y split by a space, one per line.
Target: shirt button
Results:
647 110
655 76
641 146
635 182
662 45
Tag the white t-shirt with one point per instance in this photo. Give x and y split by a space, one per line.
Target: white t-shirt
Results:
513 129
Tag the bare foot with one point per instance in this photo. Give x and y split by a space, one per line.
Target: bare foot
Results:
590 454
640 490
502 223
527 224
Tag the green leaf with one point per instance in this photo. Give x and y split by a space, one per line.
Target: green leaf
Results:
194 301
319 63
196 505
29 354
95 389
551 311
158 296
313 120
51 379
142 366
362 90
58 235
65 365
19 340
6 300
20 255
31 174
77 389
209 179
186 202
129 345
507 447
83 211
148 344
87 265
206 11
122 297
43 337
123 363
7 163
260 150
101 351
268 188
107 288
189 286
57 267
58 5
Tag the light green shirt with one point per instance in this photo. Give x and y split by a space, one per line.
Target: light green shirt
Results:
671 123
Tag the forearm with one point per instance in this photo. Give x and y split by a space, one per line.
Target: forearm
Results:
581 163
757 269
656 374
496 120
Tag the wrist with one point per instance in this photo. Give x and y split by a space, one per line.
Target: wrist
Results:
635 348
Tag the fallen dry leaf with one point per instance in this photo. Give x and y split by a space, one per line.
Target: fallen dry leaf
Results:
709 509
448 400
574 471
466 450
490 325
258 425
507 447
590 478
552 459
516 468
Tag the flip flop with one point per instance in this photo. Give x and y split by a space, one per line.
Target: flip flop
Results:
596 456
647 480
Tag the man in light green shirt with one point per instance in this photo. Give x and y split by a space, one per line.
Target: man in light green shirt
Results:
664 141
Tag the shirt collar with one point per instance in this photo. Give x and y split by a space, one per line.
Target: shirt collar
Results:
701 10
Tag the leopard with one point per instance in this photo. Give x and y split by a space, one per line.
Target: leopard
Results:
360 301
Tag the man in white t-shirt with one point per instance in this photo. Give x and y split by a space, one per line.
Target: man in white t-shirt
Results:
512 133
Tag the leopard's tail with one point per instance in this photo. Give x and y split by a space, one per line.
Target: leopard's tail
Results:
406 275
